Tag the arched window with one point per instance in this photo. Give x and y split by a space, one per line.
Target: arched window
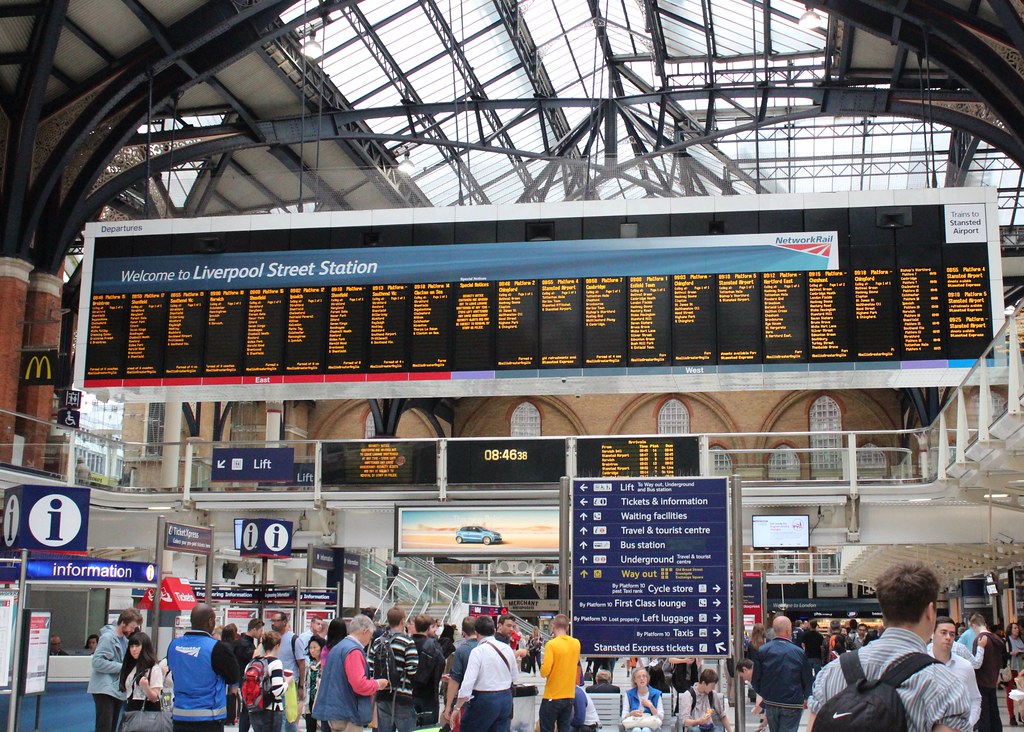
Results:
870 460
673 418
826 417
721 461
525 421
783 463
369 428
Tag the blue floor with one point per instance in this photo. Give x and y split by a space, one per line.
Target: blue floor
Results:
64 707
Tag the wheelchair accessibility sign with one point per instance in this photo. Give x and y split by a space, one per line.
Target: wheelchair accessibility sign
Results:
46 518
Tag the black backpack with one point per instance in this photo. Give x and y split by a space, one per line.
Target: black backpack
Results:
869 705
430 663
382 659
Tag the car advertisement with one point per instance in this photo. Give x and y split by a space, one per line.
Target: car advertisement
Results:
477 531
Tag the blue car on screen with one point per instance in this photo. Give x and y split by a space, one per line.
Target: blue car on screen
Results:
476 535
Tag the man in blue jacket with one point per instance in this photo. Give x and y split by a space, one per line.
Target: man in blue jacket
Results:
202 668
782 676
104 679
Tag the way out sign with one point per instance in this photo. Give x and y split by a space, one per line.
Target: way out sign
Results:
46 518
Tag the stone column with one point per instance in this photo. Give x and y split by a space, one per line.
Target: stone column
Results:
14 275
42 330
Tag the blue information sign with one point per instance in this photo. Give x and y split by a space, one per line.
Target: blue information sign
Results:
46 518
91 571
650 570
266 464
270 538
189 539
322 557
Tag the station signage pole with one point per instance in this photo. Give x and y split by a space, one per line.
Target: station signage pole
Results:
736 496
565 546
161 544
14 704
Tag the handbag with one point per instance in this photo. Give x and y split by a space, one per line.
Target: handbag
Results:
648 720
1005 675
291 703
141 720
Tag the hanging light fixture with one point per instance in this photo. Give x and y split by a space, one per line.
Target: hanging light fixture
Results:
810 20
311 47
407 166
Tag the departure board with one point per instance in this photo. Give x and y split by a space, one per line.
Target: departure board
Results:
739 318
506 461
561 311
226 332
347 311
641 457
516 326
874 308
379 462
650 320
831 337
108 317
306 342
604 321
428 339
186 334
785 320
626 308
693 312
473 331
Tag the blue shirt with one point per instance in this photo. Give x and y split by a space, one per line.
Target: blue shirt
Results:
458 672
782 674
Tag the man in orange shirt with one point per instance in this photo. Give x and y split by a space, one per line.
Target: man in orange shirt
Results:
561 662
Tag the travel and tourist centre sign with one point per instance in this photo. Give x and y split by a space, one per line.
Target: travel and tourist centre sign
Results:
650 566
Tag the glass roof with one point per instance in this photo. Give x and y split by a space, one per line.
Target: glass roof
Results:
601 141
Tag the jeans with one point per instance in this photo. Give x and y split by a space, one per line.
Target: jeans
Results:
108 709
263 721
782 719
284 726
990 720
489 711
395 713
815 666
556 711
243 717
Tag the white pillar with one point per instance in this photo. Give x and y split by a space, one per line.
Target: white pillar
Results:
275 414
171 456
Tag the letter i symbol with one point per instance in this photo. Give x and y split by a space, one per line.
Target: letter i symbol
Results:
54 515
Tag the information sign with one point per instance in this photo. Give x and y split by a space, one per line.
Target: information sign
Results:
650 569
267 464
322 557
271 538
93 571
46 518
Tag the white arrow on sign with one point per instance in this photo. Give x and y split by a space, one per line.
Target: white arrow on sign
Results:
718 618
718 632
583 560
583 545
583 501
583 529
717 588
583 517
717 602
583 488
222 464
719 647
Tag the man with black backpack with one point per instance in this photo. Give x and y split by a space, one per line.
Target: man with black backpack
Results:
892 684
393 656
430 667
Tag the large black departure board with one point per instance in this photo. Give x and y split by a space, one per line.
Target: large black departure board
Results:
379 463
451 312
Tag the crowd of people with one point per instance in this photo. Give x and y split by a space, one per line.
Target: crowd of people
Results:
406 675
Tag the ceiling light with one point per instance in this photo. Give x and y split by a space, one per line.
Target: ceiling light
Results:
810 20
159 508
997 495
407 166
311 48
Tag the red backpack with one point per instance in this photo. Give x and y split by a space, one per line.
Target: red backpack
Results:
257 693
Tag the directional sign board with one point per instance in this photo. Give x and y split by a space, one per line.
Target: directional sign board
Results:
650 570
267 464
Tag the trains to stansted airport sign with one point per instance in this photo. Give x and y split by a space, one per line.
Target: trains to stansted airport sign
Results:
474 305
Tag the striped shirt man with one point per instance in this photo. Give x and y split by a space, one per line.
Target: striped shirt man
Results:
931 696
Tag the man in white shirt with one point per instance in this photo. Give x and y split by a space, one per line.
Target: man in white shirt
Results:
486 688
316 627
943 640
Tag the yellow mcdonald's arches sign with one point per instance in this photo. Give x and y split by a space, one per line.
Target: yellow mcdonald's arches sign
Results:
39 368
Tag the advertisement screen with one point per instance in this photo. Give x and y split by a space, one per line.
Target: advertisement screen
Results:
781 532
477 531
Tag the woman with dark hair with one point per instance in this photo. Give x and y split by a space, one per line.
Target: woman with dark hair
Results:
141 675
447 640
314 667
91 641
271 717
337 631
230 635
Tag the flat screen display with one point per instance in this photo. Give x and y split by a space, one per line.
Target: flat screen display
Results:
781 532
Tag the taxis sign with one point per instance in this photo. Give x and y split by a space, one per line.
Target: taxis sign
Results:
39 367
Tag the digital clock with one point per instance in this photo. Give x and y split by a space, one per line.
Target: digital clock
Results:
506 461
